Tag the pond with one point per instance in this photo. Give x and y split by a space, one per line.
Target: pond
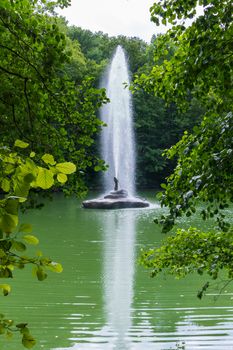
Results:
104 299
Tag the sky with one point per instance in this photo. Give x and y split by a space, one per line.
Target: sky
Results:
113 17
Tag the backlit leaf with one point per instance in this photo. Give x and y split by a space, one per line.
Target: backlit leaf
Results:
21 189
62 178
21 144
55 267
48 159
44 178
66 168
32 154
5 185
30 239
5 289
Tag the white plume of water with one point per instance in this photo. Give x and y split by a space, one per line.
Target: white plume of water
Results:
117 142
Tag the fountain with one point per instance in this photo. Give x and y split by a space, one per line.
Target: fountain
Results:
117 141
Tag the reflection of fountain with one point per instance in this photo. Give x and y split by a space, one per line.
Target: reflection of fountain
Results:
118 275
115 332
118 141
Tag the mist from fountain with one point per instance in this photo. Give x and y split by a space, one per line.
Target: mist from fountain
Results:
117 139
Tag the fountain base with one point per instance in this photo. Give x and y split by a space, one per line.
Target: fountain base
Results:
116 200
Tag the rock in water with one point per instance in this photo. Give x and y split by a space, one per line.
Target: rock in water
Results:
116 200
117 194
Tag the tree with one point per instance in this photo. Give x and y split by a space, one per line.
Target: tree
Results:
201 68
158 127
44 102
99 47
41 101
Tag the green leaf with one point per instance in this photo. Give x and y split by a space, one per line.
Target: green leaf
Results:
66 168
30 239
21 144
9 222
55 267
98 168
5 185
41 275
2 253
21 189
164 186
5 4
62 178
28 341
44 178
5 289
32 154
12 206
21 325
24 330
48 159
19 246
2 328
27 228
29 178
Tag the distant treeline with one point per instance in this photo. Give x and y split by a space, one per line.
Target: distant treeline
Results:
157 126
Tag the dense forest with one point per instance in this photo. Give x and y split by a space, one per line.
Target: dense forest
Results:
157 125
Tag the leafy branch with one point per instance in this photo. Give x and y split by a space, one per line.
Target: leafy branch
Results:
18 175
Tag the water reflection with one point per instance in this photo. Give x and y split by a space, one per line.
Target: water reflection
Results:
118 236
114 305
119 232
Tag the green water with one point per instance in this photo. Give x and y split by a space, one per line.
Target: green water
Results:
104 299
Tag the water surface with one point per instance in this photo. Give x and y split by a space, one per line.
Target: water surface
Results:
104 299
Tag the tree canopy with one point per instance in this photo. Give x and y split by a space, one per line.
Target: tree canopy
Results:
202 68
49 106
41 101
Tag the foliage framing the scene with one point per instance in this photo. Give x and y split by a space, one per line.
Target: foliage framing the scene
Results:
19 174
202 68
41 104
42 99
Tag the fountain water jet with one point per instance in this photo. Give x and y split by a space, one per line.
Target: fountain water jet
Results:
117 141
